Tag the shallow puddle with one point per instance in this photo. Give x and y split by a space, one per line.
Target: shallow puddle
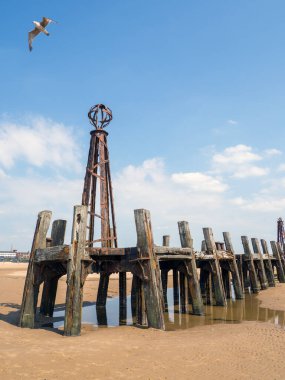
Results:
237 311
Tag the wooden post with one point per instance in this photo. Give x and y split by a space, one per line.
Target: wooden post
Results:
175 287
281 254
279 266
216 269
166 240
27 314
164 272
141 305
152 287
261 269
182 292
233 267
135 284
102 290
123 298
192 277
50 285
75 278
250 265
268 264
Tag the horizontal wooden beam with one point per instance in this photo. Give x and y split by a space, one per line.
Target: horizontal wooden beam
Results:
172 251
57 253
173 257
98 251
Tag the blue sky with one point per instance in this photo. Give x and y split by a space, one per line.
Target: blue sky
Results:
197 93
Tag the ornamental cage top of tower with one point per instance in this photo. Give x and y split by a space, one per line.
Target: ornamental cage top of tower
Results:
100 116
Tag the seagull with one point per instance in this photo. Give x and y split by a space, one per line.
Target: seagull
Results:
39 27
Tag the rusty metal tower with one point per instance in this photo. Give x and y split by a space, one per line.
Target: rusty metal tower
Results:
98 180
280 232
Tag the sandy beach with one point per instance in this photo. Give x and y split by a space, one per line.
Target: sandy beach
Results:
247 350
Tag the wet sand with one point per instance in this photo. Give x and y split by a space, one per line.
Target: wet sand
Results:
247 350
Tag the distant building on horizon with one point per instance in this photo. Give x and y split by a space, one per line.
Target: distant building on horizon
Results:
14 255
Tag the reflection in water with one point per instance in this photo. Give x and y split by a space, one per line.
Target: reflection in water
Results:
236 312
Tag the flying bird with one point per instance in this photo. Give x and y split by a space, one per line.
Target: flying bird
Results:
39 27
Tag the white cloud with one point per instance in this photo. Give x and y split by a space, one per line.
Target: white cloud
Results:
40 142
200 182
239 161
232 122
272 152
239 154
250 171
281 168
265 204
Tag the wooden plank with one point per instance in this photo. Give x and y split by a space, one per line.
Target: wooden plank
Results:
58 253
250 265
237 283
172 251
99 251
173 257
192 277
28 307
74 293
215 267
152 287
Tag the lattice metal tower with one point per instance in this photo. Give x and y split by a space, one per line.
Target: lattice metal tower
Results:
98 180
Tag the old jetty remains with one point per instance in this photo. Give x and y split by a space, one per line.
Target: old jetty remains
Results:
199 277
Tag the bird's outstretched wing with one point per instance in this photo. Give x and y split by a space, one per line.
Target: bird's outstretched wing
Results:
32 34
45 21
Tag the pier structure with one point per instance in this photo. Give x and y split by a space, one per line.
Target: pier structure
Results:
199 277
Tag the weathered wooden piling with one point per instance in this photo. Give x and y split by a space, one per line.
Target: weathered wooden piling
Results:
219 291
267 264
281 254
76 273
259 263
50 283
152 287
30 294
277 262
192 278
233 268
249 265
164 272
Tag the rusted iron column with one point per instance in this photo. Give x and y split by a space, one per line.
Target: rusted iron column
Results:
250 265
192 277
152 286
267 264
29 304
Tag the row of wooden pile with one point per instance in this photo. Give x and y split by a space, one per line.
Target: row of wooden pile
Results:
199 278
